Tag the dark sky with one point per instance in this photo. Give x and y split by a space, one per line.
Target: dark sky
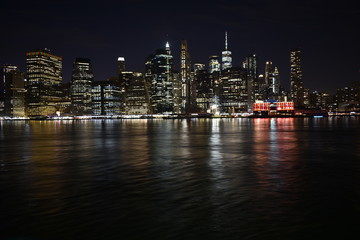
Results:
327 33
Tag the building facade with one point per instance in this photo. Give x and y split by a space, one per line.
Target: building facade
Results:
296 81
160 76
106 98
13 92
186 80
81 87
44 79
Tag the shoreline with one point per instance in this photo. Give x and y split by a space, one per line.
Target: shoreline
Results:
169 117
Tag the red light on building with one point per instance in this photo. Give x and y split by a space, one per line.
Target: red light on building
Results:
285 106
261 107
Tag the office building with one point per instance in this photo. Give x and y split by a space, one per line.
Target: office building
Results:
13 92
136 95
214 65
296 82
81 87
233 93
121 65
106 98
185 77
160 76
251 67
44 78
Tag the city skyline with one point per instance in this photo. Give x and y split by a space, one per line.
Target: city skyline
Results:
323 32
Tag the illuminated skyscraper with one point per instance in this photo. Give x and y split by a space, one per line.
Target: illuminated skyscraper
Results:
160 76
275 84
185 77
226 56
296 82
14 91
214 65
252 79
136 95
81 85
234 95
268 70
272 79
121 65
198 67
44 78
106 98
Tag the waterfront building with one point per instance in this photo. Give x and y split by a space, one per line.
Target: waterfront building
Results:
44 78
160 76
226 60
136 97
296 82
233 90
273 108
204 90
124 83
106 98
81 87
13 92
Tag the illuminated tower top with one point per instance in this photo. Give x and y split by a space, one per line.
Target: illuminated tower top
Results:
226 41
226 55
167 48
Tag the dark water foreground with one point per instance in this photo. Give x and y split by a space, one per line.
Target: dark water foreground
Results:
178 179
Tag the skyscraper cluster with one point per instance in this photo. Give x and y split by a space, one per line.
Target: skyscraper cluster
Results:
220 87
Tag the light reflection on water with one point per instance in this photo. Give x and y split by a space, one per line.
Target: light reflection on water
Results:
282 178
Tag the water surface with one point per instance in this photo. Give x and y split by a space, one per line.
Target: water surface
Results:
179 179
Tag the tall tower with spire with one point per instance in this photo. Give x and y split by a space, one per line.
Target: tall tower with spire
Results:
226 56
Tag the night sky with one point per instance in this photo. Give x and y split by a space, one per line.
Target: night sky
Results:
327 33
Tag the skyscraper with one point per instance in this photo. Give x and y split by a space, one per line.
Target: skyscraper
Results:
44 78
268 70
121 65
160 76
136 95
106 98
272 79
252 79
198 67
226 56
14 91
81 86
214 65
234 95
296 82
185 77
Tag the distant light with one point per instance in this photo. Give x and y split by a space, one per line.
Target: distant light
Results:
121 59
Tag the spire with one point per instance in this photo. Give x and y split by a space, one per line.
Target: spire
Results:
226 41
167 48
